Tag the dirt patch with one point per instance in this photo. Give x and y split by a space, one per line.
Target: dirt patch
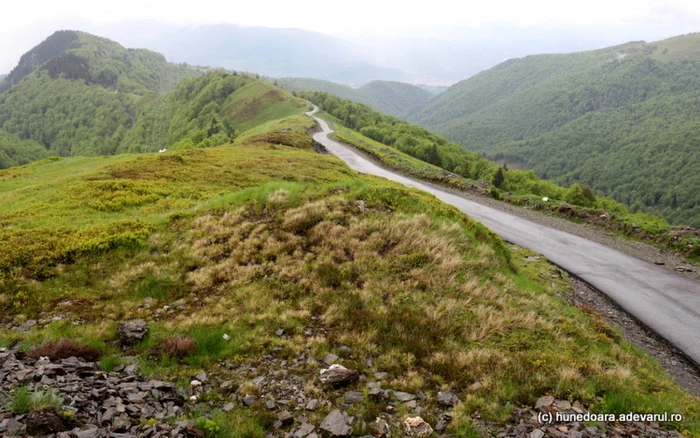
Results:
47 421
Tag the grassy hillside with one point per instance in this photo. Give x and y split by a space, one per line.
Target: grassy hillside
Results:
619 119
254 237
388 97
78 94
415 151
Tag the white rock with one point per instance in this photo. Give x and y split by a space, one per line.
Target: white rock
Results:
195 383
226 337
417 427
193 398
545 199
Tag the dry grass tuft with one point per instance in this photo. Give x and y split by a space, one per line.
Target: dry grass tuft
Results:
179 346
63 349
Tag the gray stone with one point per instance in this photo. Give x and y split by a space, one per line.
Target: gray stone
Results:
447 399
13 427
132 332
304 430
335 424
27 325
228 407
381 428
544 402
381 375
279 332
330 358
338 375
88 433
248 400
285 417
270 404
312 405
442 423
353 397
404 396
537 433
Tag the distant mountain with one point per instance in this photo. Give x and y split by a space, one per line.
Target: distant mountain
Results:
389 97
623 119
78 55
268 51
78 94
433 89
2 77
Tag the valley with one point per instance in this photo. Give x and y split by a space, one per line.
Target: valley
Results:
392 98
614 118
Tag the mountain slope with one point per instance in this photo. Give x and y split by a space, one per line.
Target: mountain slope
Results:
78 55
97 98
389 97
610 108
15 151
261 253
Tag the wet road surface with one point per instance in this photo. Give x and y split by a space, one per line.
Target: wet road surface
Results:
667 303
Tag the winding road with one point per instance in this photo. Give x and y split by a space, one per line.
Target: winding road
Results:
667 303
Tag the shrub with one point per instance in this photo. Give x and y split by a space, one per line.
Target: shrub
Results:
581 195
63 349
179 346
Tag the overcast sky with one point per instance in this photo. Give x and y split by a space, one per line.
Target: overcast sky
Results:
24 24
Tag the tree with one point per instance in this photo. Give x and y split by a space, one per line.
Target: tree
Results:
498 178
434 156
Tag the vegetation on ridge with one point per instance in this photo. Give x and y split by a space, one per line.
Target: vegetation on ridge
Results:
620 119
388 97
414 152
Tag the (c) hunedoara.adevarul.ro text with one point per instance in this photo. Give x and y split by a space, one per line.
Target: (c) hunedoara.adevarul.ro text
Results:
557 417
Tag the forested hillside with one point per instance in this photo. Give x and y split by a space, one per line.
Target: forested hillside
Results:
78 55
97 98
15 151
622 119
430 148
388 97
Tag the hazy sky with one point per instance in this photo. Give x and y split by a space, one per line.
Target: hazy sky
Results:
24 24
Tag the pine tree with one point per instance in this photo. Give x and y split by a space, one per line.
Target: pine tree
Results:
498 178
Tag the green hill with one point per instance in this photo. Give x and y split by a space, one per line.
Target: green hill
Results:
388 97
259 259
77 94
620 119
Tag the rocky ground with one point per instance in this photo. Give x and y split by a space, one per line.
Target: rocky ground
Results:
305 396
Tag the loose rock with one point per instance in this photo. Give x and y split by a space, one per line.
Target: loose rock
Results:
336 424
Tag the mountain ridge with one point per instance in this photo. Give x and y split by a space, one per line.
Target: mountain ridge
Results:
78 94
389 97
525 109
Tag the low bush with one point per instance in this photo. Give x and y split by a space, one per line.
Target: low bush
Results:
179 346
63 349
